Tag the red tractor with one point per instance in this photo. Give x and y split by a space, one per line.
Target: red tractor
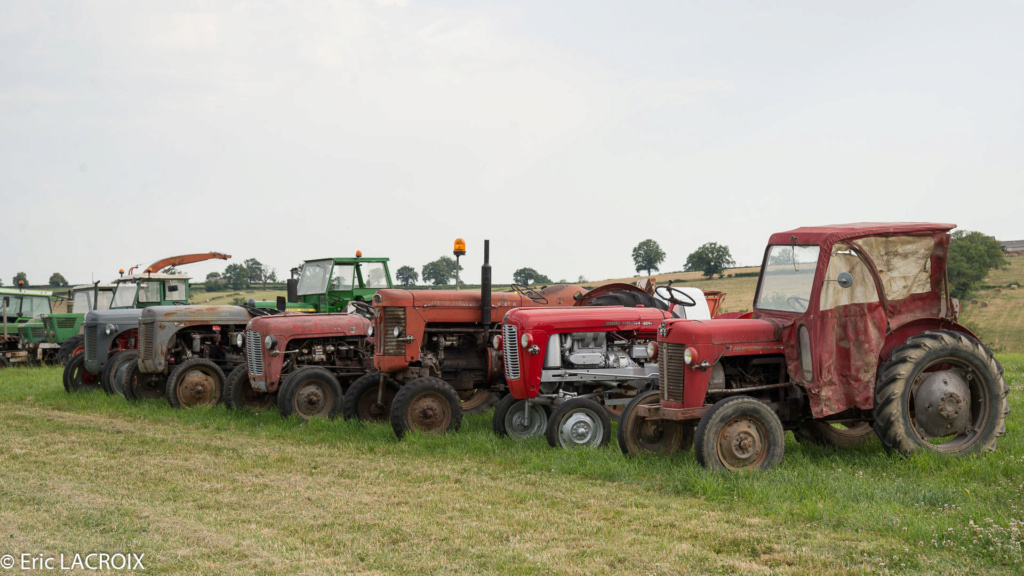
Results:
581 366
852 329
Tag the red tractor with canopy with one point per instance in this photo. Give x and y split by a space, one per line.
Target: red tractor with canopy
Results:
852 329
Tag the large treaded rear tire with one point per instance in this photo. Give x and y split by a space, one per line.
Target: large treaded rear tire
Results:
895 410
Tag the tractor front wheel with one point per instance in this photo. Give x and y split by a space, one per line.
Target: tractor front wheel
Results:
579 423
739 434
426 404
77 378
108 378
310 392
138 386
478 401
364 400
638 435
195 382
3 362
510 418
941 391
240 395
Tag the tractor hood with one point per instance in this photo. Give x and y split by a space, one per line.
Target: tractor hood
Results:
288 326
187 315
117 316
718 331
587 318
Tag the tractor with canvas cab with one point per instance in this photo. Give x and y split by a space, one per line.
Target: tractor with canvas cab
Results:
852 333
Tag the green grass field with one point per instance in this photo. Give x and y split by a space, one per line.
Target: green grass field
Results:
208 491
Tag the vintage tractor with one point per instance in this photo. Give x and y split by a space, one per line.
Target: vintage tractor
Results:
18 307
56 336
852 329
582 365
304 363
432 354
115 330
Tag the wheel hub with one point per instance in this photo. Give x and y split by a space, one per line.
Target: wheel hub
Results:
195 388
429 413
942 404
580 429
741 444
311 399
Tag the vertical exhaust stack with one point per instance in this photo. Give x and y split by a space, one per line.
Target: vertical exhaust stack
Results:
485 289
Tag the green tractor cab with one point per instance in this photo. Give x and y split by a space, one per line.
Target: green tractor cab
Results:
55 336
330 284
19 308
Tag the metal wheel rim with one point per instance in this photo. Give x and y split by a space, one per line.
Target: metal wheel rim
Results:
979 408
581 428
369 410
742 443
514 421
474 398
198 387
429 412
313 399
83 380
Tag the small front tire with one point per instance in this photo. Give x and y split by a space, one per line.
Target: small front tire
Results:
195 382
310 392
426 404
579 423
739 434
639 435
510 418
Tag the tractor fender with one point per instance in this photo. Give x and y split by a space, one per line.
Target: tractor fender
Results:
900 334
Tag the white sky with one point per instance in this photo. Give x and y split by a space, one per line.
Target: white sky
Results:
565 132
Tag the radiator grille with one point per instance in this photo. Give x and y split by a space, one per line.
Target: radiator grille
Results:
511 345
66 323
254 352
671 371
37 332
147 341
394 316
92 336
50 323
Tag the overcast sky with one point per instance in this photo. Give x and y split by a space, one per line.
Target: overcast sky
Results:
565 132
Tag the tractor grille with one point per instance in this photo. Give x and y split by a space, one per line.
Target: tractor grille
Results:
394 316
50 323
511 346
66 323
92 336
37 332
147 341
671 370
254 352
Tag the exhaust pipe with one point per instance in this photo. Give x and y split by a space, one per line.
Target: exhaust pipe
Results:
485 290
293 290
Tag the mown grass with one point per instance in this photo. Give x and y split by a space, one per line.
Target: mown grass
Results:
214 492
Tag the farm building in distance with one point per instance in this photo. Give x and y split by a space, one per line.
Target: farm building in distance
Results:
1012 245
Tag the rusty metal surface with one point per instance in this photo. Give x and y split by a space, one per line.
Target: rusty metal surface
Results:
656 412
189 315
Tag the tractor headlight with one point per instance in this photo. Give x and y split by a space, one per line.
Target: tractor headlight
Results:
397 331
496 341
526 340
369 331
689 356
270 342
239 339
652 350
109 329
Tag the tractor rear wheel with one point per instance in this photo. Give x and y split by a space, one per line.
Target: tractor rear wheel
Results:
108 378
739 434
240 395
510 418
310 392
77 378
639 435
824 433
426 404
195 382
3 362
361 398
941 391
138 386
579 423
69 348
478 401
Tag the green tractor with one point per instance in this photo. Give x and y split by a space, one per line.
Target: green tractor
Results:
329 284
19 307
56 336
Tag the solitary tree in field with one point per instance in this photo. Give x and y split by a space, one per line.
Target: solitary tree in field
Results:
527 276
407 276
440 271
647 255
57 280
710 259
971 256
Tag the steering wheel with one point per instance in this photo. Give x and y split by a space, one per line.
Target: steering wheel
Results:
797 303
672 295
530 293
